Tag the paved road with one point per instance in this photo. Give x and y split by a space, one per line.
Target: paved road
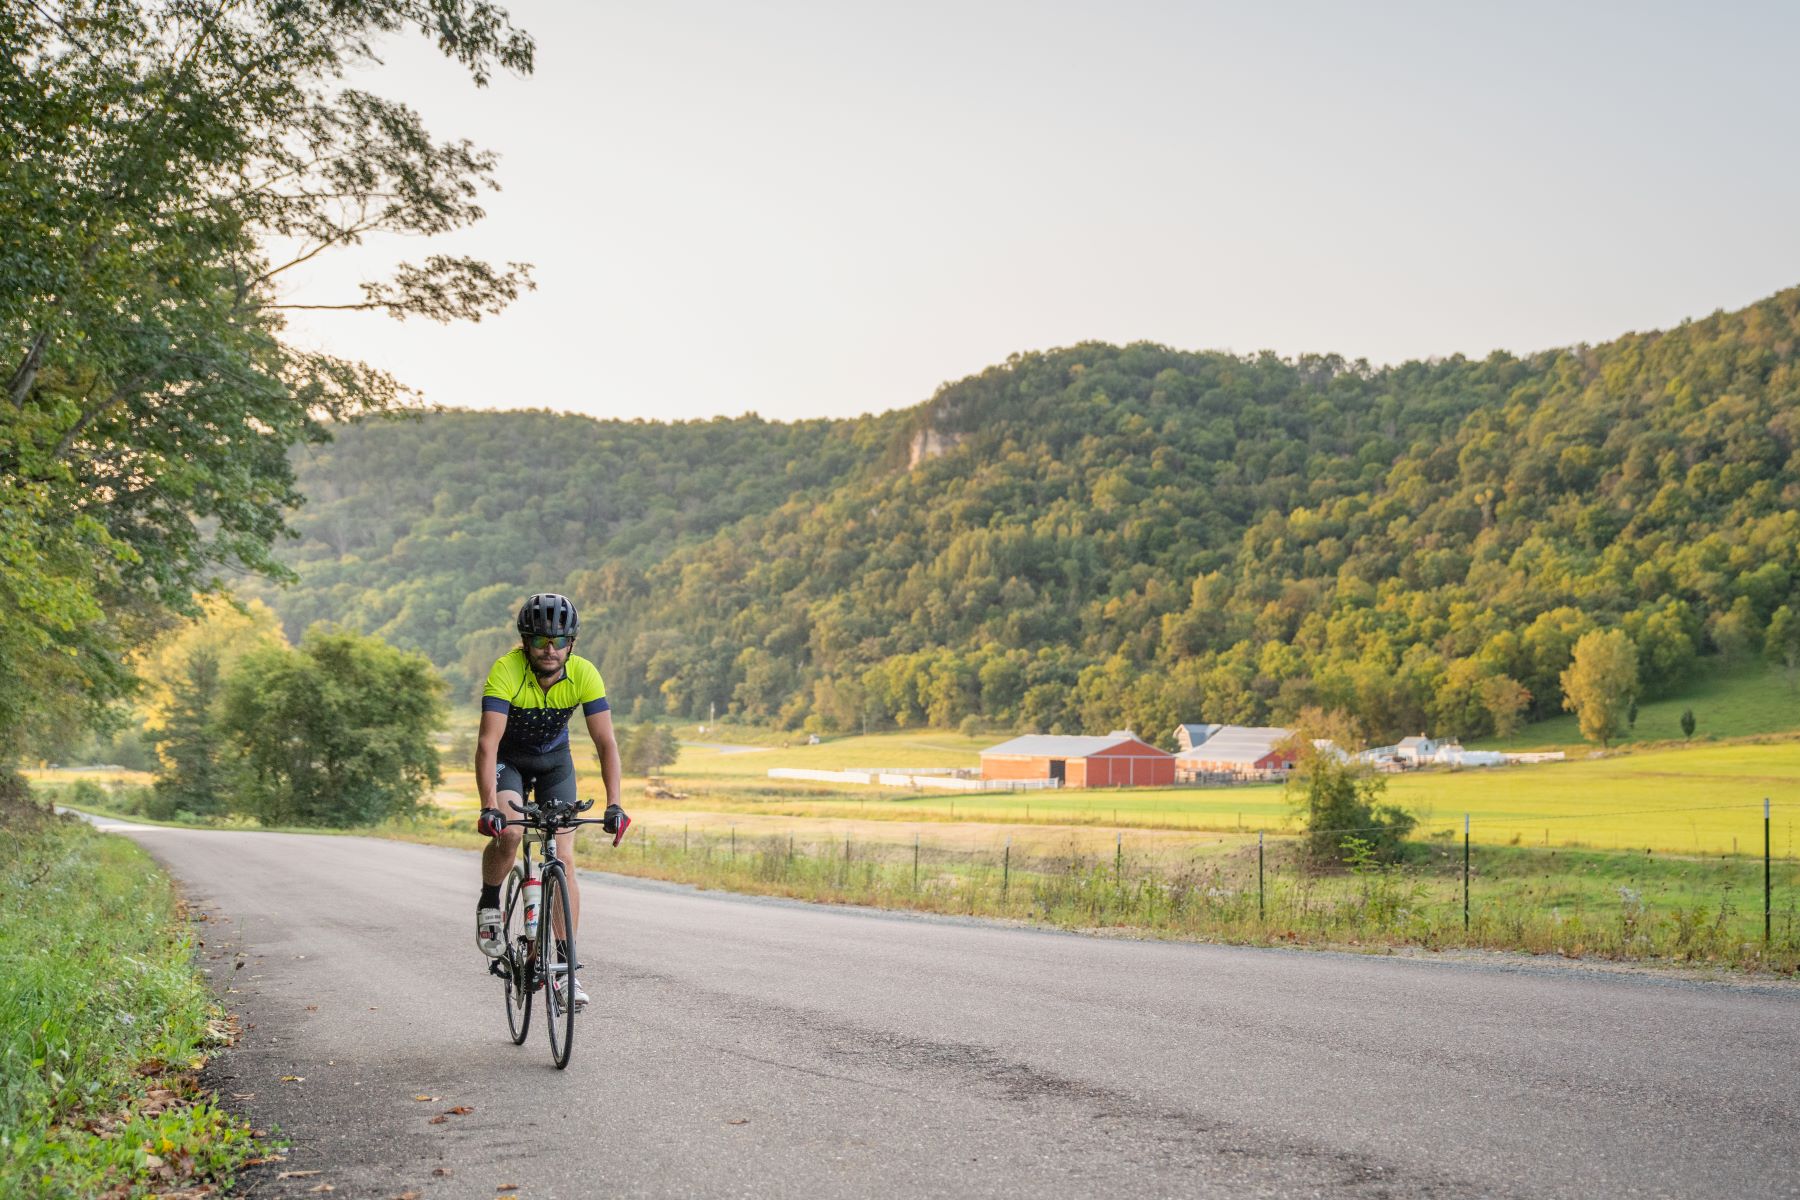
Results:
764 1048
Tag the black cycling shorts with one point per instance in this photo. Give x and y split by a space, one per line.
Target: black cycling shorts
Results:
549 776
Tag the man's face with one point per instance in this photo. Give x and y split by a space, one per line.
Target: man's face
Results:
546 658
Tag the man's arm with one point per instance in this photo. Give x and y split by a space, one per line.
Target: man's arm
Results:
600 729
487 755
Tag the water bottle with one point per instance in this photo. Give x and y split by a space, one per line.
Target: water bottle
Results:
534 892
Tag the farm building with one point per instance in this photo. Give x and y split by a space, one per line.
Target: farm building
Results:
1119 759
1238 752
1189 736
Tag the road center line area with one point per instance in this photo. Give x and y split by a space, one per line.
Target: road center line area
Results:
742 1046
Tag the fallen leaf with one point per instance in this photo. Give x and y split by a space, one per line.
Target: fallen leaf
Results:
238 965
312 1008
298 1174
293 1079
442 1172
323 1187
407 1196
739 1121
507 1187
243 1095
461 1110
422 1096
440 1119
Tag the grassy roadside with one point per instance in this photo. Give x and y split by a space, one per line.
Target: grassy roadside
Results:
104 1022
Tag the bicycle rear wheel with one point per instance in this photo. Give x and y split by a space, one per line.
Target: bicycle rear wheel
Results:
518 981
559 964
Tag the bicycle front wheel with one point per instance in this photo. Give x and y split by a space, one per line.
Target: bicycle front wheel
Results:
518 980
558 955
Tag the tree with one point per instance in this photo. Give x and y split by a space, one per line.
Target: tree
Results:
648 749
1687 723
1781 644
1340 802
187 742
1599 684
152 152
337 732
1505 700
223 632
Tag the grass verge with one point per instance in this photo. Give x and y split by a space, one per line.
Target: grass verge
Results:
1628 907
104 1023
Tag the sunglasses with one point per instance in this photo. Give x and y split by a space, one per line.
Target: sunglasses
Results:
540 642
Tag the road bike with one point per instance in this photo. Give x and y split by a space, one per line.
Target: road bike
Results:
535 959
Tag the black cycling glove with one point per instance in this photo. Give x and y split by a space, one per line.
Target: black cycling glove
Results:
615 822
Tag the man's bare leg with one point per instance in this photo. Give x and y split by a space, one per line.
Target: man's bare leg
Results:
498 855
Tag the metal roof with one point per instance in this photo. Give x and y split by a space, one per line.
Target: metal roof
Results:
1243 752
1042 745
1238 743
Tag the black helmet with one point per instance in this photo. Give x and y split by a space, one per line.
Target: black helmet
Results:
548 614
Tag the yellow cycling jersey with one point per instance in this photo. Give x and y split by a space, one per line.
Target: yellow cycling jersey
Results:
537 720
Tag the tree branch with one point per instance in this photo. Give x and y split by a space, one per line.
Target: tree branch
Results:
19 386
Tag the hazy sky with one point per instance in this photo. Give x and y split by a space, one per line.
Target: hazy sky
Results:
824 209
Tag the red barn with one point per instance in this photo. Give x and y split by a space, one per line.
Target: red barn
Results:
1120 759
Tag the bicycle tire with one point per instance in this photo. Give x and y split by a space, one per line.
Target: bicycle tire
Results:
559 962
518 983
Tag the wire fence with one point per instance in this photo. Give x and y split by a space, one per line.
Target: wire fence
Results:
1444 890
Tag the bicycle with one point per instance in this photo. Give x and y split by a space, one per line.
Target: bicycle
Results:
534 958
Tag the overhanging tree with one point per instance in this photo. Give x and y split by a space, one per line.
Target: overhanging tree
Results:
155 153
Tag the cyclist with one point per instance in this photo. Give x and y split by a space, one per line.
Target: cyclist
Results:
523 747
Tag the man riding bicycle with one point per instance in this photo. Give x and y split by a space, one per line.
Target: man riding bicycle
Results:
523 747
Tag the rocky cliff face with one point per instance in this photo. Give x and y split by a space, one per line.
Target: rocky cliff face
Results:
929 443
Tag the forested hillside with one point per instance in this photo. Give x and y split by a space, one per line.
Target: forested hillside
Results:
1102 536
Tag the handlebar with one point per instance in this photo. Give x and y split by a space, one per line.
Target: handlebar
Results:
533 816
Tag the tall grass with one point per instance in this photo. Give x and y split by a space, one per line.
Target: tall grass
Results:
1570 903
102 1020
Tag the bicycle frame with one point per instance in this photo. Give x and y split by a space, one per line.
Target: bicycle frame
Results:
526 967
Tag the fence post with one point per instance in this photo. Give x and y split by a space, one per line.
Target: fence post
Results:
1006 871
1259 875
684 839
1119 862
734 843
1768 881
1465 872
915 862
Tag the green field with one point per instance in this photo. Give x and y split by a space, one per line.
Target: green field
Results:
1728 702
1697 799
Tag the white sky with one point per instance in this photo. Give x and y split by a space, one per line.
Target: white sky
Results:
824 209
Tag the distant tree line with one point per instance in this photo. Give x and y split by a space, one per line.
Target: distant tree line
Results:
1117 536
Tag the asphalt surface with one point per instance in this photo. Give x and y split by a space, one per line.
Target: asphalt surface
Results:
767 1048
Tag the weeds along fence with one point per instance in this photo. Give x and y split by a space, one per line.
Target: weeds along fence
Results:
1443 892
